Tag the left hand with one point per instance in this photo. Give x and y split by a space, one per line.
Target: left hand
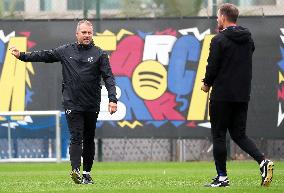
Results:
112 107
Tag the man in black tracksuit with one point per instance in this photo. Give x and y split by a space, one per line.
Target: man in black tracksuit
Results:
229 73
83 65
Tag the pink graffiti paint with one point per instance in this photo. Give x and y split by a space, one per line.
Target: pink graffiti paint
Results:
281 93
191 124
27 34
127 56
168 31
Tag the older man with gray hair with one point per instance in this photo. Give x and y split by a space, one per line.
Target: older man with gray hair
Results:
83 65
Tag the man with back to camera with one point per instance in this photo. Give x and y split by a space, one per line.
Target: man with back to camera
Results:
229 73
83 65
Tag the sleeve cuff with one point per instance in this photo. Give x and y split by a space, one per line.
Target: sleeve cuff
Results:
113 100
205 82
21 57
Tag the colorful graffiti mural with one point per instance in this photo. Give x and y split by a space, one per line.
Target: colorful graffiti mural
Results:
158 71
150 67
281 82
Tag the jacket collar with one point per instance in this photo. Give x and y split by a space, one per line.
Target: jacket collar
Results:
86 47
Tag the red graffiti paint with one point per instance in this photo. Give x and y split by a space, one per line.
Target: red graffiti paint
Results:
281 93
164 108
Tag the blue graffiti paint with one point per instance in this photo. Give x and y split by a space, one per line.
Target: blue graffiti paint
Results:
185 52
99 124
281 63
28 98
135 107
177 123
183 101
143 34
2 50
65 136
156 124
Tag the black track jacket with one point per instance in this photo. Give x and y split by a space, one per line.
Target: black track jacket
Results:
82 69
229 69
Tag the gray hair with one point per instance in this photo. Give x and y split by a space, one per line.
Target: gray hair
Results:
85 22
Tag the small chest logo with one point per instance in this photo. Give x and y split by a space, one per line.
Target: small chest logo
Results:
90 59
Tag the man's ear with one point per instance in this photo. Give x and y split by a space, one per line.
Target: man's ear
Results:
223 18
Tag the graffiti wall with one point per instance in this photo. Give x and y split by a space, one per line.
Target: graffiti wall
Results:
158 65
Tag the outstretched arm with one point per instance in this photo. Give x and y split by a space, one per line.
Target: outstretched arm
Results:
37 56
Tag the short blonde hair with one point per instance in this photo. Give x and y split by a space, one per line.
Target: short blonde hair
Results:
85 22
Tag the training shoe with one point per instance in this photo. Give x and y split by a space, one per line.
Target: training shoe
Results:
87 179
75 175
266 171
217 183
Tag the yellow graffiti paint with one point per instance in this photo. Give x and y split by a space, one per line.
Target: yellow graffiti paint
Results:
149 80
122 33
129 124
13 79
106 40
199 99
281 78
30 68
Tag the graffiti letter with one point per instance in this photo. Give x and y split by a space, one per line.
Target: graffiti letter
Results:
158 47
13 79
127 55
104 114
134 105
199 99
164 108
180 80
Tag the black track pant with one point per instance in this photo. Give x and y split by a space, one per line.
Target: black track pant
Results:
82 127
230 116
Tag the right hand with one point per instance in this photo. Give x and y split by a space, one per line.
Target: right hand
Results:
15 52
205 88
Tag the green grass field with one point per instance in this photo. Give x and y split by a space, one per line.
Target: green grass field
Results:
114 177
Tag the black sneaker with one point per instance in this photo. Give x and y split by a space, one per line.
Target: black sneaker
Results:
75 175
217 183
266 171
87 179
